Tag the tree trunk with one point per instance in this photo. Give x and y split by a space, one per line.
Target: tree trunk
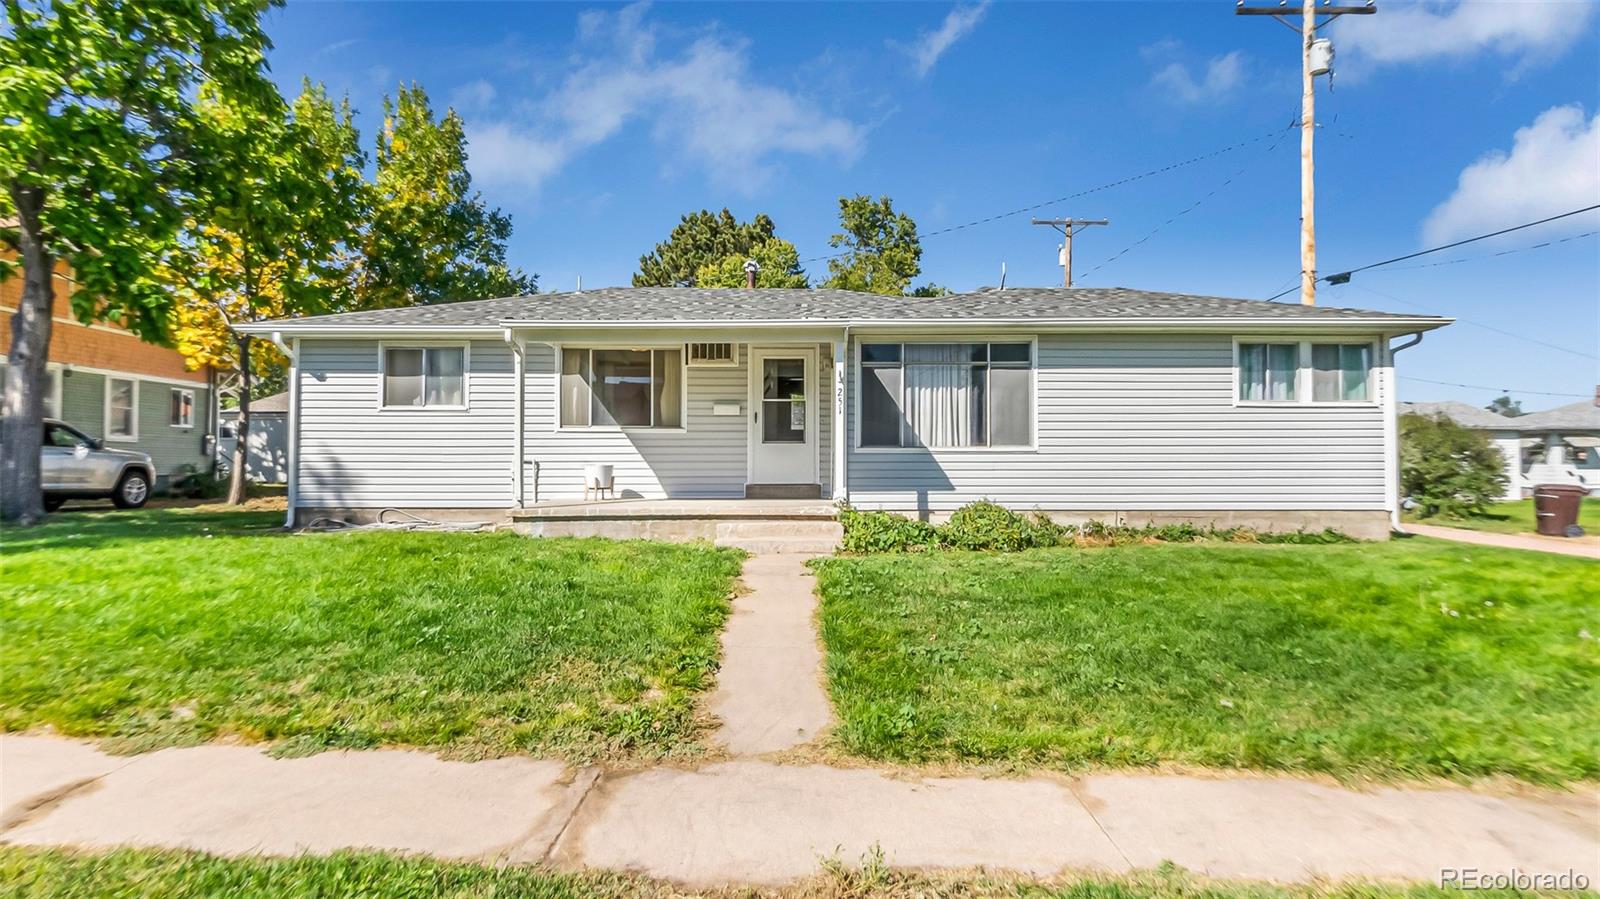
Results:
22 411
238 482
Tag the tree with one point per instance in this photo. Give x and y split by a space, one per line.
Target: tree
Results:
1505 405
930 290
1448 469
779 263
700 239
882 251
98 155
431 238
270 236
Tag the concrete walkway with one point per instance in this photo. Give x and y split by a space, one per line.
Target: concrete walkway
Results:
756 822
1583 547
769 691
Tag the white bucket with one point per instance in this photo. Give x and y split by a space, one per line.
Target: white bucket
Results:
598 476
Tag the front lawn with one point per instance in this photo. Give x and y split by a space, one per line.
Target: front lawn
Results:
57 874
173 626
1408 658
1514 517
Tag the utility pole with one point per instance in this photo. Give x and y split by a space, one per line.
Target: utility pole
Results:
1068 227
1316 58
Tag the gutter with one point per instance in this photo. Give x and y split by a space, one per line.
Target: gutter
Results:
519 364
1391 427
292 351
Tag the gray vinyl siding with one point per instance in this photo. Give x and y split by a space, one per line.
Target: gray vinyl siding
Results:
1144 423
352 454
705 460
83 399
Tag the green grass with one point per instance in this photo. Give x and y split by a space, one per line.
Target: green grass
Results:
55 874
175 626
1514 517
1408 658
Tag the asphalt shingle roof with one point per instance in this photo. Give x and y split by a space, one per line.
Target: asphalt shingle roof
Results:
1580 416
733 305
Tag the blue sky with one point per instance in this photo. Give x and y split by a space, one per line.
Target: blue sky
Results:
596 126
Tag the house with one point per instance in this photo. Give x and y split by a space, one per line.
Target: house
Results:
267 461
1104 403
109 384
1557 446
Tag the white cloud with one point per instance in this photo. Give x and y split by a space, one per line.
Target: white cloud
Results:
1222 75
702 104
473 95
1553 166
1429 31
930 45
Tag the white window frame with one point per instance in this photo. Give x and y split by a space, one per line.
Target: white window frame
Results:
106 403
189 425
683 400
1303 372
53 396
1033 393
731 362
466 373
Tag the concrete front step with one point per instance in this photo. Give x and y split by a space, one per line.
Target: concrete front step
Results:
769 546
783 536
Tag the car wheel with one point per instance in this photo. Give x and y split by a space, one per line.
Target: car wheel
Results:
132 491
52 503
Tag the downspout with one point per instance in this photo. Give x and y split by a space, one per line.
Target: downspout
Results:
1391 428
841 418
292 352
519 352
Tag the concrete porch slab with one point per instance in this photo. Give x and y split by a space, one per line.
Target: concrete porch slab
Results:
677 509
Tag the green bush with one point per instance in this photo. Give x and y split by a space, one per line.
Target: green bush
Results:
1447 469
986 526
191 482
882 532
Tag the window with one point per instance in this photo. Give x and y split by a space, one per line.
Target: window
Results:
946 394
621 388
182 413
1334 372
422 377
122 409
1340 372
711 354
52 389
64 437
1267 372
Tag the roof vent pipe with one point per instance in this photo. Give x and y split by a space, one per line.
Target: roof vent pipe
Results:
750 268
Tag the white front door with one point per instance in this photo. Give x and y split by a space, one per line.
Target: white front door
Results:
783 416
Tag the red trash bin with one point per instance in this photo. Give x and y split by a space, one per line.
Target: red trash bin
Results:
1555 507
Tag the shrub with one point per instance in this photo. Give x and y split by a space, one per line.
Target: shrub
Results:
1447 469
986 526
189 481
882 532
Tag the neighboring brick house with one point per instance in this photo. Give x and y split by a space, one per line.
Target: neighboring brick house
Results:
108 383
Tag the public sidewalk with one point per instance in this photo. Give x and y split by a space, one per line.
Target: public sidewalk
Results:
757 822
1583 547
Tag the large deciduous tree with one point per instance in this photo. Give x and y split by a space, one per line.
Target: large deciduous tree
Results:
700 239
882 252
99 151
271 237
778 266
431 238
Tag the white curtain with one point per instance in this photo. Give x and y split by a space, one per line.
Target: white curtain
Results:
943 396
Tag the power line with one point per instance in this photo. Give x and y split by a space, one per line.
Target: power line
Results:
1537 246
1581 396
1083 193
1344 276
1190 208
1467 321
